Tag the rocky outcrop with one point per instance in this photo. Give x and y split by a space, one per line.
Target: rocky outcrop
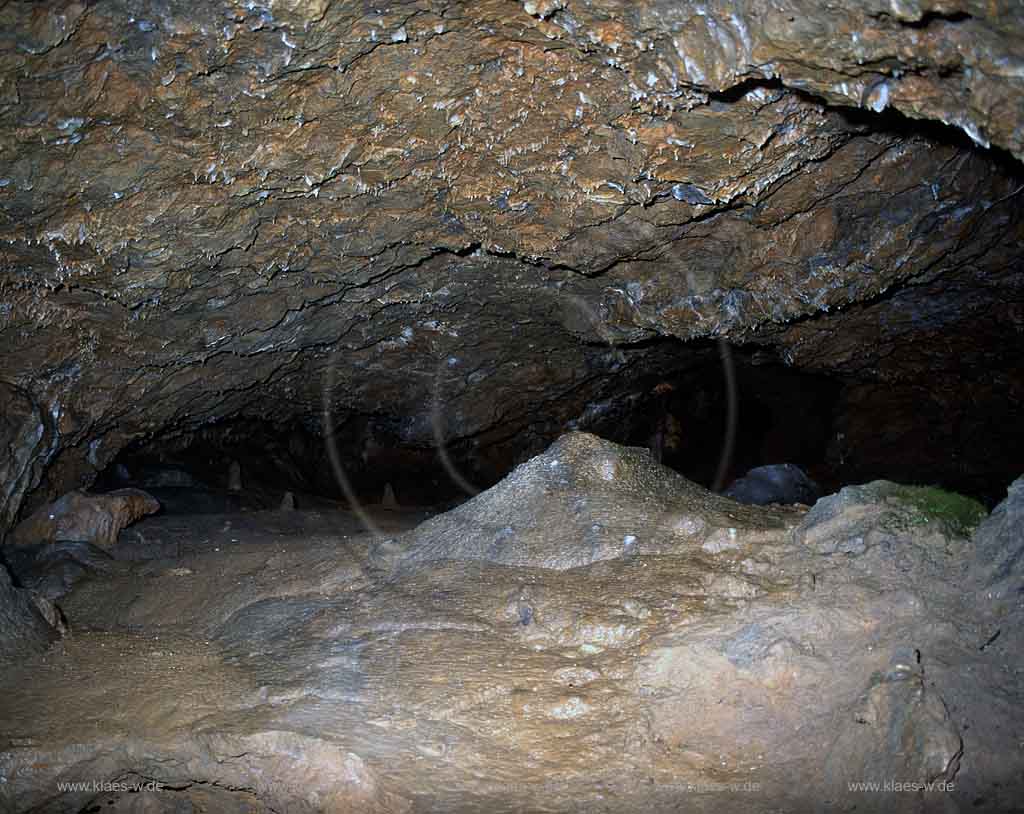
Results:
833 649
84 518
214 210
26 443
613 502
1000 543
24 630
49 570
952 62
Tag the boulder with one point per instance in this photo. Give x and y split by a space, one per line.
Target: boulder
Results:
774 483
82 517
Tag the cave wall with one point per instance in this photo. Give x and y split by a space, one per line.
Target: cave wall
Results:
219 210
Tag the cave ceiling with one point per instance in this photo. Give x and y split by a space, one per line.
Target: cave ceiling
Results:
216 209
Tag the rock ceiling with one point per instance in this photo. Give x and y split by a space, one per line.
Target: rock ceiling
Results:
221 209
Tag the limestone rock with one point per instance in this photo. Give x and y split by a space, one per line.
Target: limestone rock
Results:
163 477
50 570
844 522
1000 539
50 612
83 517
584 500
23 628
902 729
354 185
26 442
791 665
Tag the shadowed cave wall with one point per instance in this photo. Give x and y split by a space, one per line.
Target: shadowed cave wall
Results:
490 222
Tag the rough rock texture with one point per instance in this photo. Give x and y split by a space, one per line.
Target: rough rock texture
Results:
84 518
213 209
1000 542
25 446
278 672
612 502
23 628
50 569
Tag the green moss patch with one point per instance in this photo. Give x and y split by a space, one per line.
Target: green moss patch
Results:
960 514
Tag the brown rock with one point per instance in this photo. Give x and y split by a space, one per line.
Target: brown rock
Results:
83 517
765 670
231 208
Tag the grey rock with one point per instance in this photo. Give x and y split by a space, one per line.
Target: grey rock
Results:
52 569
1000 543
583 500
291 677
23 629
774 483
26 443
161 477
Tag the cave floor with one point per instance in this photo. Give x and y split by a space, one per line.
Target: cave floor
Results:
269 661
147 688
139 666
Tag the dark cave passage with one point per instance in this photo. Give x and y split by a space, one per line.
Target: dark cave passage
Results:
252 464
838 431
782 416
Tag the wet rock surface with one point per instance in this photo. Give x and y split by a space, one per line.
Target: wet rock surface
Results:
270 663
214 210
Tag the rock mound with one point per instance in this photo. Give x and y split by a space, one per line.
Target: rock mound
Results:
583 500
